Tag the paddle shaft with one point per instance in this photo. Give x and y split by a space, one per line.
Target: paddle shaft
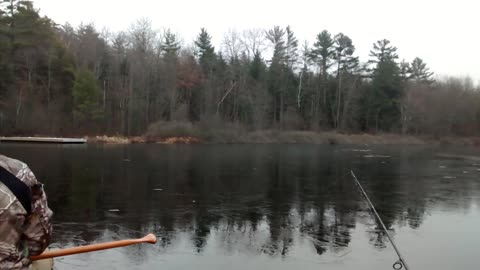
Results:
94 247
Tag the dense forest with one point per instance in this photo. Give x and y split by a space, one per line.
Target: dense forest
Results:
60 80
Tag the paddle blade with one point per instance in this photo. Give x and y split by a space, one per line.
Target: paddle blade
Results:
150 238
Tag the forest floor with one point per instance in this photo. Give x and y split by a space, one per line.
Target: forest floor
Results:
285 137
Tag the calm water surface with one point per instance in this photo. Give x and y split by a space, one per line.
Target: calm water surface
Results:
261 206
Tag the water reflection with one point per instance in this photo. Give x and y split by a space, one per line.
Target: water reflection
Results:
251 200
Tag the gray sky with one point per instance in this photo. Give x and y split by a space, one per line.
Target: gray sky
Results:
443 33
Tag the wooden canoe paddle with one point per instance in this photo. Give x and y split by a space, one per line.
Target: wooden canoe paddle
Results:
150 238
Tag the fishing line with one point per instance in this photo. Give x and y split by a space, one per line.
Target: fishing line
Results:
401 262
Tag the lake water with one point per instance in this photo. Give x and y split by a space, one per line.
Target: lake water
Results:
261 206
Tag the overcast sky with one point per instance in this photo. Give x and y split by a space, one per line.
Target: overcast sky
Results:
443 33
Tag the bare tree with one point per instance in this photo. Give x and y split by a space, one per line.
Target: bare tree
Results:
232 44
254 41
142 39
305 59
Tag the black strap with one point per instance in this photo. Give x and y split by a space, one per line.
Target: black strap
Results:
18 188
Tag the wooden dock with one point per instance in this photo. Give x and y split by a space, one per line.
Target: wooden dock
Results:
43 140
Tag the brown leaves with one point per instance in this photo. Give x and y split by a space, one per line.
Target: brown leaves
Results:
188 73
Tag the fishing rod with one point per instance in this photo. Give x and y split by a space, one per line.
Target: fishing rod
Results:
401 262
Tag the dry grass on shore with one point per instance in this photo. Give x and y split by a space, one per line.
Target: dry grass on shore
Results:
115 139
187 133
267 137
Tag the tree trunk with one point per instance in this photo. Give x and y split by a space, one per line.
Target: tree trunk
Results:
404 118
172 88
11 17
339 99
318 99
281 110
275 112
299 90
19 105
324 83
129 107
106 121
104 96
147 106
225 96
377 116
347 101
49 81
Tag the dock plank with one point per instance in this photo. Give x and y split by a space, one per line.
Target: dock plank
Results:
42 140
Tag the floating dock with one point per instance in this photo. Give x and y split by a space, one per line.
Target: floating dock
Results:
42 140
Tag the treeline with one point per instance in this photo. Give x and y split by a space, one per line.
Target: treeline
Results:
60 80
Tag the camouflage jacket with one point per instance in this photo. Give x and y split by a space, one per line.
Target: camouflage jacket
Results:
24 231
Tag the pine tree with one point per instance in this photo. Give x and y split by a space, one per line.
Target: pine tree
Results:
5 53
346 62
382 52
205 50
405 71
257 67
9 10
305 59
170 46
419 72
322 54
386 86
86 94
291 48
276 78
323 51
29 56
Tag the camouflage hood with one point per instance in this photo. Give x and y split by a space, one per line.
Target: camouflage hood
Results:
25 223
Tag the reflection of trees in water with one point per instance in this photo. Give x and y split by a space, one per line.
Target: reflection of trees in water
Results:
279 200
248 199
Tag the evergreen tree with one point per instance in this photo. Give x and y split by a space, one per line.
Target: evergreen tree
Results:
277 72
382 52
257 67
205 50
419 72
304 93
322 54
33 55
346 63
344 50
383 105
170 45
276 36
323 51
86 95
405 71
5 52
291 48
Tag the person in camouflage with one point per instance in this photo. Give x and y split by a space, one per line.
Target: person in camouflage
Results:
25 219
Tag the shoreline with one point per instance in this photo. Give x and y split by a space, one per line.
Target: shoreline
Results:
289 137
